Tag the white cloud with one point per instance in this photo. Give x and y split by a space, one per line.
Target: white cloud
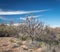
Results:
16 24
35 16
0 9
19 12
2 18
21 18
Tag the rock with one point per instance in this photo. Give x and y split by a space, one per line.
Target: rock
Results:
24 47
5 44
33 45
24 42
15 45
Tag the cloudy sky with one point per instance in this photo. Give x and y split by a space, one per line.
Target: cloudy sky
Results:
47 11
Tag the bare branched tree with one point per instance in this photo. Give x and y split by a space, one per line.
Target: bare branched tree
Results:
32 28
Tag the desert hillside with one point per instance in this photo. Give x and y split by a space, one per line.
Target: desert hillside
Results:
32 36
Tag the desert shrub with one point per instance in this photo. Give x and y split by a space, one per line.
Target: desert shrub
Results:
7 31
27 39
11 40
19 40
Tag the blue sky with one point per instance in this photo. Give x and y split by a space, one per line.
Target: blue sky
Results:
47 11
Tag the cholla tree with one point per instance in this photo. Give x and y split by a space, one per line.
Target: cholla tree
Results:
34 27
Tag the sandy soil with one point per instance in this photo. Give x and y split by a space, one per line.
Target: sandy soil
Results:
10 44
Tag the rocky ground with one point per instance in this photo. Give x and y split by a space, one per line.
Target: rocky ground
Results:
10 44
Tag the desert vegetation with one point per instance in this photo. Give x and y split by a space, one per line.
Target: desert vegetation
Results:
35 33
